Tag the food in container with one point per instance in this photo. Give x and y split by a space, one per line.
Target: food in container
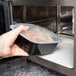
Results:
40 41
37 34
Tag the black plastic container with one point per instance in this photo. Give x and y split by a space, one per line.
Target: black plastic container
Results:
36 47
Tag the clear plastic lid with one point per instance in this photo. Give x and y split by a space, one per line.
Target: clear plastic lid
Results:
37 34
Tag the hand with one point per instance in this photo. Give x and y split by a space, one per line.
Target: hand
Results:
7 46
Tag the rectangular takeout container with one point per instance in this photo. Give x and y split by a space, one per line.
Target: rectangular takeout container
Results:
39 47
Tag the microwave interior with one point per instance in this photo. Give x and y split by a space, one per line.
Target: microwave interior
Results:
59 19
41 15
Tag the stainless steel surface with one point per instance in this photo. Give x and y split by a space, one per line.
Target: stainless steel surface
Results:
66 22
41 15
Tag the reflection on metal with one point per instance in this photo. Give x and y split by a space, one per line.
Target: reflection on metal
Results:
66 24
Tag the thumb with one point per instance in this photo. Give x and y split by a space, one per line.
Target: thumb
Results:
17 51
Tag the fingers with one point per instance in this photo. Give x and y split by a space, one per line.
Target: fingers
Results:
16 32
7 40
5 52
13 51
11 36
16 51
23 28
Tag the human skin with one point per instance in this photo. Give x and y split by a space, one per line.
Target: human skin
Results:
7 46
